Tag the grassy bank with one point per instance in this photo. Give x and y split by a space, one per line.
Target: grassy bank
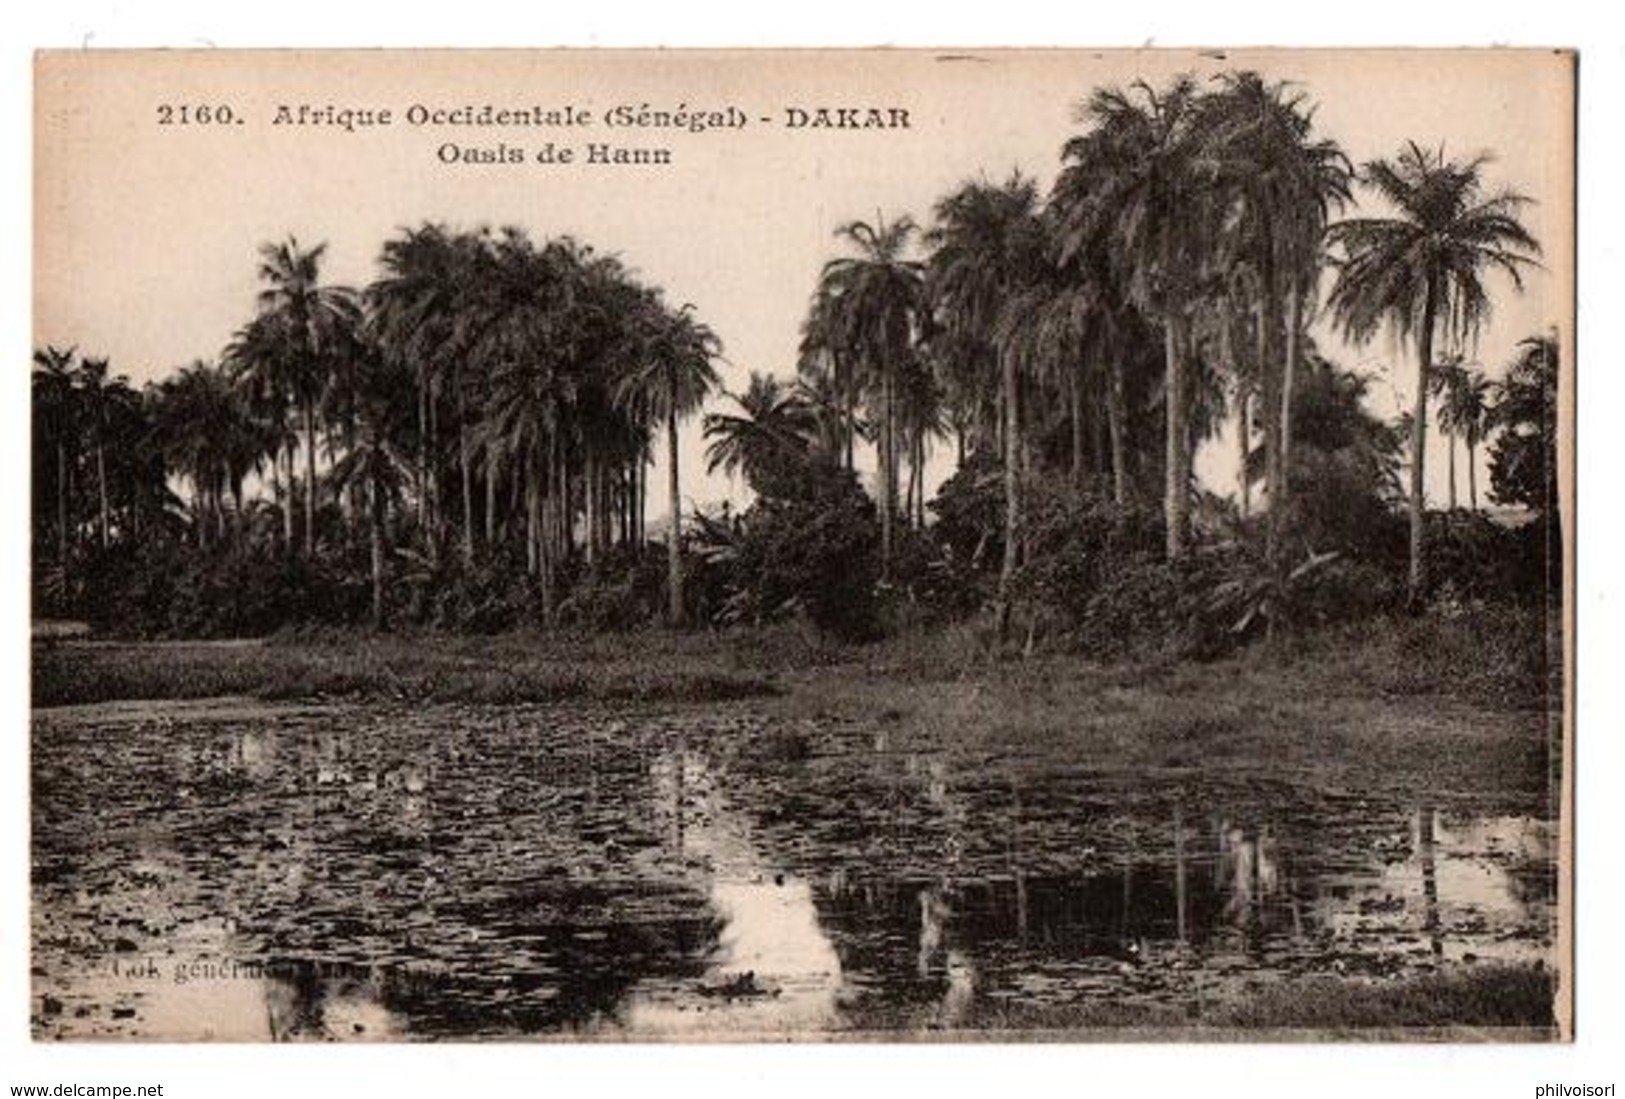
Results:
1459 705
1509 1001
413 668
1436 705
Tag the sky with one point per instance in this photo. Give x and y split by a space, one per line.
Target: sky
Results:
146 235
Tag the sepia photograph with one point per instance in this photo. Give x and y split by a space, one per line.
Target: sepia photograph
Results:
910 545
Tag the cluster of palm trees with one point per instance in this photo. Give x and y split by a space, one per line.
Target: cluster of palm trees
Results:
493 400
98 473
484 396
1198 217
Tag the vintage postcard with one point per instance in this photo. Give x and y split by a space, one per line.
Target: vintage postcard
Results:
679 545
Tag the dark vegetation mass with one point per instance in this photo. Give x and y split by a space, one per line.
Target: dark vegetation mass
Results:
464 444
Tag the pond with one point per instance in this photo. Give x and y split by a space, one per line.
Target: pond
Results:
255 872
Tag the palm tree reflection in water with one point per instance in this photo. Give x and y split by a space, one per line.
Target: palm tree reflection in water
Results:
773 969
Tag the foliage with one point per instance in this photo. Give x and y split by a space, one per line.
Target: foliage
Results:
1478 560
465 442
1523 458
1421 271
813 551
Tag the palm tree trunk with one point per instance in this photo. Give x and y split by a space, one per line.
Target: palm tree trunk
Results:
1289 368
851 421
1244 435
674 542
490 501
919 464
101 492
1450 468
533 519
1012 488
564 535
239 513
590 491
62 538
1419 438
628 483
1075 410
310 478
286 450
423 453
375 510
638 489
1176 480
1472 474
467 474
433 528
883 446
1116 413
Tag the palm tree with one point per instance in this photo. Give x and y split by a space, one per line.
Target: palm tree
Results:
1420 272
875 302
827 365
526 333
921 420
376 463
202 421
413 308
56 403
1523 458
315 319
988 248
1464 415
1132 186
833 421
672 375
767 440
1283 185
261 359
95 394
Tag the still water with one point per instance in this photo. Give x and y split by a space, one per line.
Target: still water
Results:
251 872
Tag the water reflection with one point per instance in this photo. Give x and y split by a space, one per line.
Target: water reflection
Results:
499 872
772 970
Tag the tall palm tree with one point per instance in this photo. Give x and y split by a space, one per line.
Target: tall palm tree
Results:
988 247
1524 414
416 309
833 421
526 337
875 301
261 360
316 319
672 374
922 419
1283 185
95 388
1463 415
376 463
1420 272
55 401
203 421
767 439
828 365
1134 186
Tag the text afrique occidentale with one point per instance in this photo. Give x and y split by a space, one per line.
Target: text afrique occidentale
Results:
643 116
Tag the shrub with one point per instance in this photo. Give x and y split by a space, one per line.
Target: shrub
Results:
813 550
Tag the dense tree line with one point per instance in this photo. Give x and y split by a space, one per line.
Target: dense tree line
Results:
481 418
